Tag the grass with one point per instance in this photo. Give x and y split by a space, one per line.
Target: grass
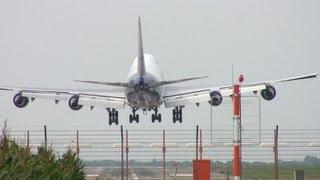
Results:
285 172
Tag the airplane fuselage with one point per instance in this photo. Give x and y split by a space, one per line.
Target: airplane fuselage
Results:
143 94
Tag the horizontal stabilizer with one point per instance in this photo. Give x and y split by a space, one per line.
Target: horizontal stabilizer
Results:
120 84
163 83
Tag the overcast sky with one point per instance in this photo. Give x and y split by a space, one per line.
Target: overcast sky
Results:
51 43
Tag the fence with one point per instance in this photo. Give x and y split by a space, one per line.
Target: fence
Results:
101 150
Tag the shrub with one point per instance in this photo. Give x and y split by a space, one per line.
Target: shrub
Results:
19 163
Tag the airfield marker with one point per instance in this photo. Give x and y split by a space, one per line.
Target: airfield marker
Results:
236 129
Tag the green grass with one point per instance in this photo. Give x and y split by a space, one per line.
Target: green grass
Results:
285 172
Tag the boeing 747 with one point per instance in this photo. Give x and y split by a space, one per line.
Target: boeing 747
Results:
145 89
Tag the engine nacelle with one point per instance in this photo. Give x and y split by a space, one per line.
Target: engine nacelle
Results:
216 98
73 103
20 101
269 93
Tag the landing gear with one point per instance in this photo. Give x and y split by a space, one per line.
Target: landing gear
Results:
177 114
134 116
156 116
113 117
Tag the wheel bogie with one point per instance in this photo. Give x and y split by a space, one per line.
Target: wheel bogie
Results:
113 117
177 114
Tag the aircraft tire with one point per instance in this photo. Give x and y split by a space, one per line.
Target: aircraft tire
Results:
152 118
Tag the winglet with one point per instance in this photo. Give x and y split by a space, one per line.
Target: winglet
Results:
141 65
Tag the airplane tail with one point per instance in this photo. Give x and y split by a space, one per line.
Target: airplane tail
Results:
141 64
141 69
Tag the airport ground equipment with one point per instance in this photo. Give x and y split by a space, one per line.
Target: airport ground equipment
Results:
201 167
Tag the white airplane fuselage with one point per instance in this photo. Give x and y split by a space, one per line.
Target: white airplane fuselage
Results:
143 94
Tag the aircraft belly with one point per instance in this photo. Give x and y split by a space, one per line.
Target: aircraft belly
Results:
147 99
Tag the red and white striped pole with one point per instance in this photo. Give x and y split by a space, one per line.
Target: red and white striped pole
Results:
236 130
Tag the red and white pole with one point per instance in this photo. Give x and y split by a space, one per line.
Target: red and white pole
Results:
236 130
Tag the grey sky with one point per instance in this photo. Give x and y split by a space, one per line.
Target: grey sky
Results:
51 43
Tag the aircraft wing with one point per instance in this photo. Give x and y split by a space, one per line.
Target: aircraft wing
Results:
182 96
106 98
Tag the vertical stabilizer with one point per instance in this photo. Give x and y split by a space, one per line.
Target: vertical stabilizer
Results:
141 64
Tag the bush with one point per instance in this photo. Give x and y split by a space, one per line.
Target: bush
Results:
19 163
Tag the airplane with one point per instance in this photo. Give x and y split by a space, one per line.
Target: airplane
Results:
145 89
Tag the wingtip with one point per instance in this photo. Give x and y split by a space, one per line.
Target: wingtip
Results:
314 75
201 77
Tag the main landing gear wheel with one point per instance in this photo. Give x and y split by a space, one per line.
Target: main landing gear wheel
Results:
113 117
177 114
134 116
156 116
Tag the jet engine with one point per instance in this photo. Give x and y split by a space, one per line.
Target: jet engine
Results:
269 93
216 98
20 101
73 103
